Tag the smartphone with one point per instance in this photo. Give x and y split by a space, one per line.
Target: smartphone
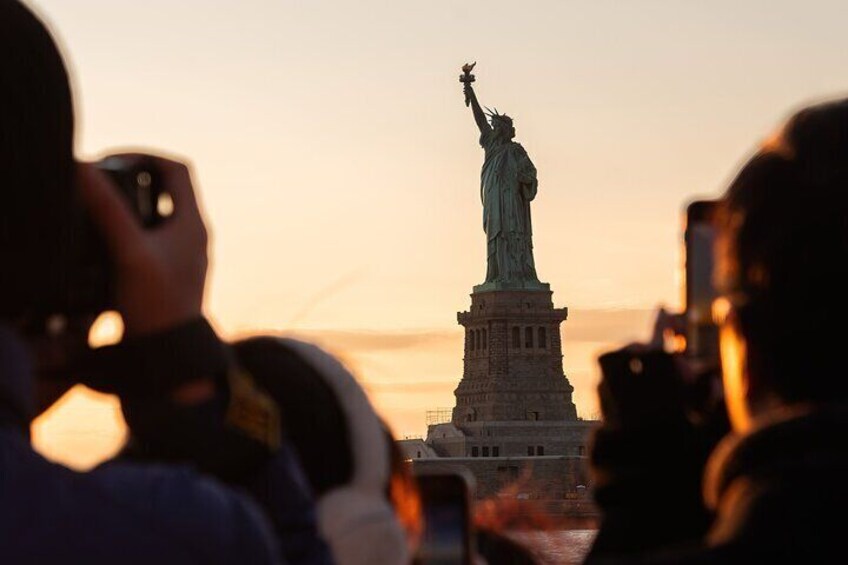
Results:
448 537
700 292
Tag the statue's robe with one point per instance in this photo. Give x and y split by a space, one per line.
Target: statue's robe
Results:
508 184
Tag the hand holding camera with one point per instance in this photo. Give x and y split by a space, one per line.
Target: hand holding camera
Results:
159 272
138 247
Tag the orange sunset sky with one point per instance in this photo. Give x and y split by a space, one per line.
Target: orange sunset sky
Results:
339 168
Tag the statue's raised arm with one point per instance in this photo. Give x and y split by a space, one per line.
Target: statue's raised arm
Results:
466 78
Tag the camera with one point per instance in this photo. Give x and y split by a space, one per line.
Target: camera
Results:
92 288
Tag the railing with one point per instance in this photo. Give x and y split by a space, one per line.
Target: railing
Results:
439 416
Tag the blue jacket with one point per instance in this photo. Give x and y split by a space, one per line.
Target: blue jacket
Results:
140 513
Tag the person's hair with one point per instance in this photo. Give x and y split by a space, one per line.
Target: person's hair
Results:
784 256
38 210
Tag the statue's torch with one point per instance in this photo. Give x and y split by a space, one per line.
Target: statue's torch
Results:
467 78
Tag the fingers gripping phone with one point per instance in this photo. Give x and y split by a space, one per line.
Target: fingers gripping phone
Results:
700 292
448 537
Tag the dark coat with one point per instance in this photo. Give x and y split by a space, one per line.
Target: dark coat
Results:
776 495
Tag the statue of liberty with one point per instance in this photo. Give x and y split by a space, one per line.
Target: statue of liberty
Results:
508 184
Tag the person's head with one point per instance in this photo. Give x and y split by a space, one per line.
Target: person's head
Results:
36 165
783 269
503 126
367 505
39 215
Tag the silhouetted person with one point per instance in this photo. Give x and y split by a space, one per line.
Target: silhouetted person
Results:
221 465
774 490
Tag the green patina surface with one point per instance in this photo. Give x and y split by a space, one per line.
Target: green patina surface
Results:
508 183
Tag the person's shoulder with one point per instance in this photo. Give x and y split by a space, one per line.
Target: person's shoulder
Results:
207 518
123 513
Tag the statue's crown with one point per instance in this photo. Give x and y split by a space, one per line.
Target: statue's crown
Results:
494 116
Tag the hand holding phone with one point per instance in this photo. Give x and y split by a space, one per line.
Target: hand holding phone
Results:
647 383
701 332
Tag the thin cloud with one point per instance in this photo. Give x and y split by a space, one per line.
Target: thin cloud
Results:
366 340
590 325
607 325
411 387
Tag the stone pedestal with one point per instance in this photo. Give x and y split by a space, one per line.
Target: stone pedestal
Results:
514 426
513 360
